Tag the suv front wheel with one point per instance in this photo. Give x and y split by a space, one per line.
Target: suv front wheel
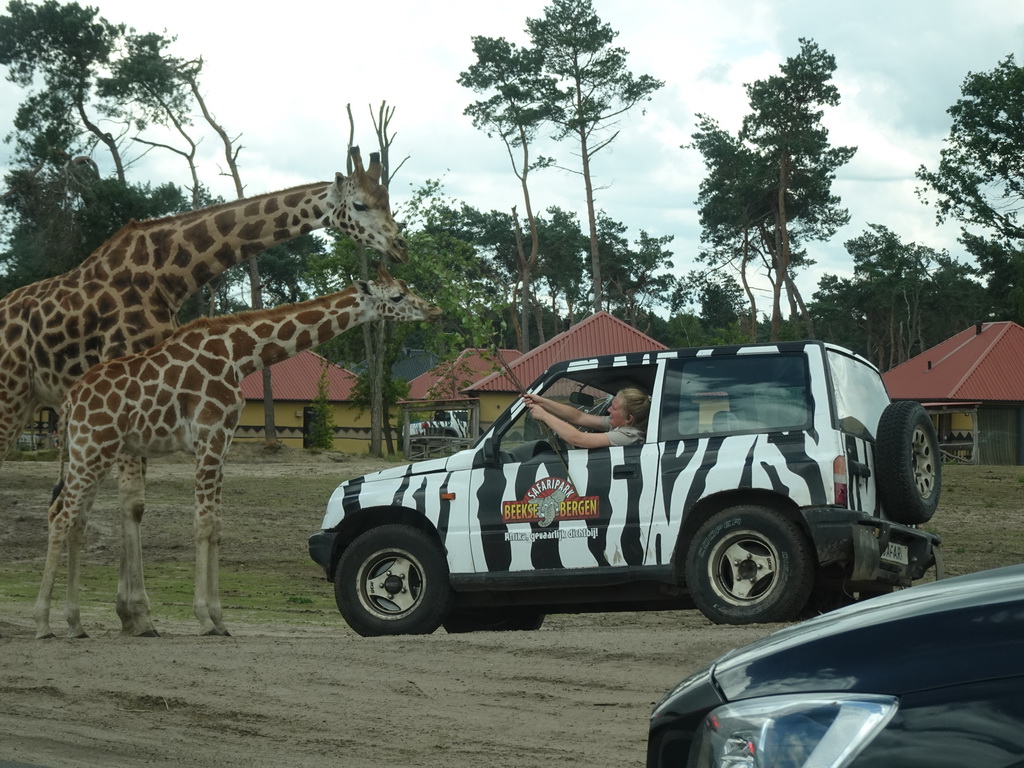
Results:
749 564
393 580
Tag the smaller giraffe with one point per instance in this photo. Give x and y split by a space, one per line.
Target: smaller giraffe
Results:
183 394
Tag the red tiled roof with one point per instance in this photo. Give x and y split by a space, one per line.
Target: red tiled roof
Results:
599 334
984 362
297 377
447 379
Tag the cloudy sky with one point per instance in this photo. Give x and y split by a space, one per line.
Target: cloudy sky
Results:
281 75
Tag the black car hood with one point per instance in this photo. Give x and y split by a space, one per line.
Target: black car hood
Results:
942 633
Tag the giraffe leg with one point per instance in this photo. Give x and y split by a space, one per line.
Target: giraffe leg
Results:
76 542
206 606
132 599
58 531
67 520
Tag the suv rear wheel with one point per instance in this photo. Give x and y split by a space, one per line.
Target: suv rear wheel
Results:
749 564
393 580
908 463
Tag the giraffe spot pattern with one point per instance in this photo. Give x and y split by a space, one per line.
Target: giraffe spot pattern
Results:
225 222
199 237
252 231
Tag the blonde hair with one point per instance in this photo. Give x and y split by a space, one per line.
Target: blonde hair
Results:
636 403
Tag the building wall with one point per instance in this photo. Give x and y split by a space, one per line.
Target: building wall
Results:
492 405
351 426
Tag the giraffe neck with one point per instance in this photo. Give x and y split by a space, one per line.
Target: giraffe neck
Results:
253 340
181 253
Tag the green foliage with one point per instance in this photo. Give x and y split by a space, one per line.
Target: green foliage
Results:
563 249
518 95
56 218
637 278
902 298
455 261
61 49
768 189
393 390
718 318
283 268
146 84
321 432
979 181
595 88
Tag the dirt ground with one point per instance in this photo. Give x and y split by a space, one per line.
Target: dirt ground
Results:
295 687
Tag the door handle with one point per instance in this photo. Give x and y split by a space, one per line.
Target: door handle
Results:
626 472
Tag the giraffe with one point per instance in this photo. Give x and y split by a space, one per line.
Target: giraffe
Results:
123 298
183 394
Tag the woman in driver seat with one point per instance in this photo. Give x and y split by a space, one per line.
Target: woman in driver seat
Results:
625 423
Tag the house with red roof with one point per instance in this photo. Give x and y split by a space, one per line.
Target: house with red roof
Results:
294 382
973 385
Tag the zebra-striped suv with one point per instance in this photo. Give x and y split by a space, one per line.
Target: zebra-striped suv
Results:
775 480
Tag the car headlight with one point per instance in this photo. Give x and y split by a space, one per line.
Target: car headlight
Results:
799 731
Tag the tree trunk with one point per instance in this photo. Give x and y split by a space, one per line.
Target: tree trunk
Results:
269 423
106 139
523 265
782 247
796 298
751 298
595 248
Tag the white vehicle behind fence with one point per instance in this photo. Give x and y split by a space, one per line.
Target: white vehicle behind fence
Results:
443 424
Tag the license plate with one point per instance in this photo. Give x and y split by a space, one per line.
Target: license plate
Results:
897 553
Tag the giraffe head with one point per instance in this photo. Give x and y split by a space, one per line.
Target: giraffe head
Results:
361 208
394 301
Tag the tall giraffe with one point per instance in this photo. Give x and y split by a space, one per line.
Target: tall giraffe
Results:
123 298
183 394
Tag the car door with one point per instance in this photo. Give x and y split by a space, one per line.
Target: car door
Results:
547 506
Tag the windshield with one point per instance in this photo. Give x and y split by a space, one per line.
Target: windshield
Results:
859 392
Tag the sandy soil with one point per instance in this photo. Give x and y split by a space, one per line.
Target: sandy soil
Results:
302 693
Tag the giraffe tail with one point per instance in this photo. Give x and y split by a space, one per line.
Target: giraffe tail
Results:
62 430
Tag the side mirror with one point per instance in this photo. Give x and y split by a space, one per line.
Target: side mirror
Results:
488 452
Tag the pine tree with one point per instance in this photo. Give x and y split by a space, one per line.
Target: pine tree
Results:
321 432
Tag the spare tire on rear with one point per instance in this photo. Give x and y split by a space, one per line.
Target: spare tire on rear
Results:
908 465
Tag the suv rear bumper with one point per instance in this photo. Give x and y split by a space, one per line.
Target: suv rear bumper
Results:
861 543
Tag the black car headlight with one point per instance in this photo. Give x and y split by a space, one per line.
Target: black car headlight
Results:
798 731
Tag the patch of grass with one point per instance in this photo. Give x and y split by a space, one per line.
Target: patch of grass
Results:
248 594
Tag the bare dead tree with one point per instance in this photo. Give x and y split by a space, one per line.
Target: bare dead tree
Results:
255 284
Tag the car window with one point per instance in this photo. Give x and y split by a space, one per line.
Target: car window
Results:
721 395
859 394
524 430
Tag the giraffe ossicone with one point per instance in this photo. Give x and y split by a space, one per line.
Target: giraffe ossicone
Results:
183 394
